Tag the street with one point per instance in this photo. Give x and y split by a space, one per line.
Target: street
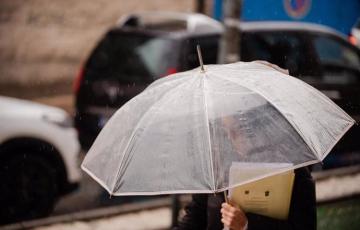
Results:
207 96
337 196
91 195
90 206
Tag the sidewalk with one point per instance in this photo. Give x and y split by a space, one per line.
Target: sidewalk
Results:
337 187
153 220
326 189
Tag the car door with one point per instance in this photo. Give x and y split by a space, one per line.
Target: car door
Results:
122 65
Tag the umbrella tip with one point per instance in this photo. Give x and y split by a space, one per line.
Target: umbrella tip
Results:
200 58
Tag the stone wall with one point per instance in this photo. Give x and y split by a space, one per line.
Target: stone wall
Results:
44 42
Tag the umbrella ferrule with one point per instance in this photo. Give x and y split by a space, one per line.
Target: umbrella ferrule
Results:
200 58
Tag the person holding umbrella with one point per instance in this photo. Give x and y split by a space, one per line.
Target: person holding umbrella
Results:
174 138
213 212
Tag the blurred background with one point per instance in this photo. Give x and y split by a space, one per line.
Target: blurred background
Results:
66 66
43 43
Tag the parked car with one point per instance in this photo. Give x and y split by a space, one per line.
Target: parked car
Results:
137 52
140 49
38 158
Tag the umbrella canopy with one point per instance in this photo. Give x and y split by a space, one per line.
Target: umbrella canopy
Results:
184 132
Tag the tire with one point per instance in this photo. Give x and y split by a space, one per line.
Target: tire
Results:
28 188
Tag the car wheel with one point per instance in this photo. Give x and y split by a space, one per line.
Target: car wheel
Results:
28 188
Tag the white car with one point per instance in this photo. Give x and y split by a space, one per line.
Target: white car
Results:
38 158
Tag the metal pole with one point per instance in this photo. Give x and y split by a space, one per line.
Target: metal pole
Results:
230 41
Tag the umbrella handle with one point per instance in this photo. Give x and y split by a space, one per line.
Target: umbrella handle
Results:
226 197
227 201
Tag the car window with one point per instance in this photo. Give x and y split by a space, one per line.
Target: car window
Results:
285 49
133 57
209 50
331 51
340 62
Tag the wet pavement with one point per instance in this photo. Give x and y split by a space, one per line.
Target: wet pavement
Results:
155 219
337 187
327 189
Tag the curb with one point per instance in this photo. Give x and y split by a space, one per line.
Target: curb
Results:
91 214
321 175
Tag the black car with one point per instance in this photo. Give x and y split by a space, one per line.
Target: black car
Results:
133 54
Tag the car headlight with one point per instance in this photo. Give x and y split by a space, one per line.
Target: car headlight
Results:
64 121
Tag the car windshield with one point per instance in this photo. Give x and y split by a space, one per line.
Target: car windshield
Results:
133 57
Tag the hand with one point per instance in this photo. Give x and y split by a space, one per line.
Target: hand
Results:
233 217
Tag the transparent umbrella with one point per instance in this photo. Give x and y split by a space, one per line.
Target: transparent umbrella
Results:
185 131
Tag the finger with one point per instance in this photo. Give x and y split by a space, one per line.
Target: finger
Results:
225 222
231 209
236 206
227 214
233 203
228 220
231 217
228 207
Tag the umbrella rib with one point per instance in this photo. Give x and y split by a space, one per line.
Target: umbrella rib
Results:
208 131
292 125
169 80
136 128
